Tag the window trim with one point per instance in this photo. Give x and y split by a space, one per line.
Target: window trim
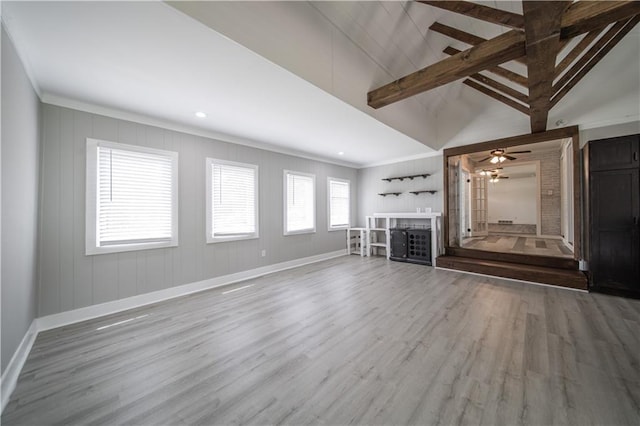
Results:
284 203
348 225
209 162
91 202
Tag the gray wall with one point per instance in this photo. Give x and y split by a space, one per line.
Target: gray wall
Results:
71 280
371 184
20 165
631 128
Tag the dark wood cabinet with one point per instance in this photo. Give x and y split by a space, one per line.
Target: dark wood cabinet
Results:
614 153
614 213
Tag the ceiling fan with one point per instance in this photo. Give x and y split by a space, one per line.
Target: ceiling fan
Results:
489 172
495 177
499 155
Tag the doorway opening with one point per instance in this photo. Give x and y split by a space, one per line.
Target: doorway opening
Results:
514 196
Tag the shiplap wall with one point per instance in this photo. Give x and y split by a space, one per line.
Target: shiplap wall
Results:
20 171
371 184
69 279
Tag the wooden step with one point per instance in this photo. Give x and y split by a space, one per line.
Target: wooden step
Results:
524 259
538 274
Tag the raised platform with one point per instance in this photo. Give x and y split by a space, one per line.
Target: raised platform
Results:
534 273
511 228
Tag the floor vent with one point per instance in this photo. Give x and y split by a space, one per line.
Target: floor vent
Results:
505 222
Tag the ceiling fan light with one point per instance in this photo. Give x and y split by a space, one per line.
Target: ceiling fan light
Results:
495 160
501 159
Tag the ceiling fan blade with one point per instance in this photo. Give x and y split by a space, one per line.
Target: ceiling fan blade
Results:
519 152
503 177
508 157
484 159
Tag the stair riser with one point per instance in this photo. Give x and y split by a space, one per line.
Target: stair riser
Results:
543 277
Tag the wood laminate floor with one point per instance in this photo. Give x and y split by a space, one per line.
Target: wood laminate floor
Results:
530 245
349 340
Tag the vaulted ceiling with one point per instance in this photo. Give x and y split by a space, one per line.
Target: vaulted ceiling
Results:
536 39
306 77
448 73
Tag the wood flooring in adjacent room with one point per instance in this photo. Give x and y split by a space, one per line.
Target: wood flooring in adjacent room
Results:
521 244
349 340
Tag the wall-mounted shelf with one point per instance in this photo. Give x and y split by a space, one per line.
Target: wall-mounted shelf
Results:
401 178
430 191
384 194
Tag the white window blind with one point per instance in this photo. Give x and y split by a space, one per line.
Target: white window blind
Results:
232 203
338 203
135 194
300 202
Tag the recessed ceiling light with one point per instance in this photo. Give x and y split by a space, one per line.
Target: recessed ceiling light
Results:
341 153
201 114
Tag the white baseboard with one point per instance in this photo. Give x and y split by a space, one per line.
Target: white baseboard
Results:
11 373
550 237
82 314
567 243
10 376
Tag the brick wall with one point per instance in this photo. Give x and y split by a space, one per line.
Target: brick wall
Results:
550 193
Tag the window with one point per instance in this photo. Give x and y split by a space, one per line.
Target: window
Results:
299 203
339 203
232 201
132 198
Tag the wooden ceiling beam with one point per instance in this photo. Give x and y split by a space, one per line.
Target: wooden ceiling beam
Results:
505 47
542 22
457 34
497 70
499 87
585 16
497 96
462 36
593 61
548 27
483 13
576 51
593 51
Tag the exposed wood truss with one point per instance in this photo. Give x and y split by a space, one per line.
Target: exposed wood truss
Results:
478 11
502 72
492 52
542 22
537 38
591 58
462 36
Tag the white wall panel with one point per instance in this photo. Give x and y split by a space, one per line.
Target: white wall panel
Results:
19 202
371 184
70 279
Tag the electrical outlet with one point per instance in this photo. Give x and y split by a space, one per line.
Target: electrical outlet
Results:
263 253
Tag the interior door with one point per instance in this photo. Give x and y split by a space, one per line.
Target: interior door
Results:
615 232
479 214
465 222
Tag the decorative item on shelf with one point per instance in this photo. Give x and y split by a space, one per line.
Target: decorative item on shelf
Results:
430 191
401 178
384 194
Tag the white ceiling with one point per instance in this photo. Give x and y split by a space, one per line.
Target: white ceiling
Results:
147 58
290 76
